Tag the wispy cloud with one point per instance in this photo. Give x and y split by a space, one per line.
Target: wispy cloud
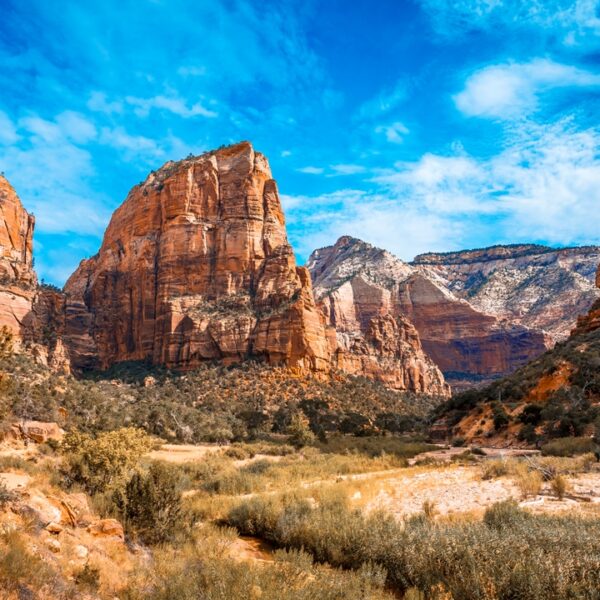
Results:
173 104
544 186
574 21
393 132
383 103
347 169
311 170
513 89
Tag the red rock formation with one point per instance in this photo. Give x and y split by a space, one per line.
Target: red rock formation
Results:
590 321
195 265
17 277
372 338
356 283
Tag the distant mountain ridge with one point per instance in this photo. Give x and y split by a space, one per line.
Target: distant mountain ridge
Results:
480 313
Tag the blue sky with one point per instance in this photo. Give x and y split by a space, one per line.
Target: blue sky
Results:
418 126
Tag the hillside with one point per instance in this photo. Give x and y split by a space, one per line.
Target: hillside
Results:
556 395
354 280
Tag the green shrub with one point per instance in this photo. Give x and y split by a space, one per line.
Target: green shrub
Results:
299 432
569 446
510 555
102 463
151 504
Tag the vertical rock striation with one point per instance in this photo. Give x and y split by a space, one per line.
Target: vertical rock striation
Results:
356 283
17 277
195 265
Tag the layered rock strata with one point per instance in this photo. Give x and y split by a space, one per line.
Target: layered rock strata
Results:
195 265
17 277
539 287
355 282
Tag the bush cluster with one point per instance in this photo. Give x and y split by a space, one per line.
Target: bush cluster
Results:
511 554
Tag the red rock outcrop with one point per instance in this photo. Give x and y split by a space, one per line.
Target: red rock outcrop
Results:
356 283
195 265
372 338
17 277
590 321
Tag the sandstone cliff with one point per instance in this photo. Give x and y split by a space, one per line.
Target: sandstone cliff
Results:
355 282
536 286
32 313
17 277
555 395
195 265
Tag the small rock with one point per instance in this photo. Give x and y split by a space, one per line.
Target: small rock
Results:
81 551
54 528
107 528
53 545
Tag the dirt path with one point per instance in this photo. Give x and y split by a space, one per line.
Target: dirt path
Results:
182 453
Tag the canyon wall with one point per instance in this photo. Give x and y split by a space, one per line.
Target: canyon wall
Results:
355 281
195 265
17 277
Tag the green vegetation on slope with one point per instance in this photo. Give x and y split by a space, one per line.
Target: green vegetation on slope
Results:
572 409
213 403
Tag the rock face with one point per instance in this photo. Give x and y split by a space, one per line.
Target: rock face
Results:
355 282
536 286
555 395
17 277
195 265
591 321
371 336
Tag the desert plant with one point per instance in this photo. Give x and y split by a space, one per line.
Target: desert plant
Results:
528 482
560 486
299 432
98 464
570 446
151 504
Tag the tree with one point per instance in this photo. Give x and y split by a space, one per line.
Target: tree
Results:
99 464
299 431
152 506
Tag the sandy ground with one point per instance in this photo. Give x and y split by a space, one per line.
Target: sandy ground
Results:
15 481
182 453
459 489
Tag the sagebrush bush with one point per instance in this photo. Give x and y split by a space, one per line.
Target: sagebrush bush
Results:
205 571
151 505
100 463
570 446
560 486
511 554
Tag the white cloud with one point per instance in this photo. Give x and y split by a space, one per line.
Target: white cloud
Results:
311 170
8 131
68 125
385 102
544 187
98 103
52 176
394 132
131 145
572 21
285 153
347 169
191 71
76 127
173 104
510 90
